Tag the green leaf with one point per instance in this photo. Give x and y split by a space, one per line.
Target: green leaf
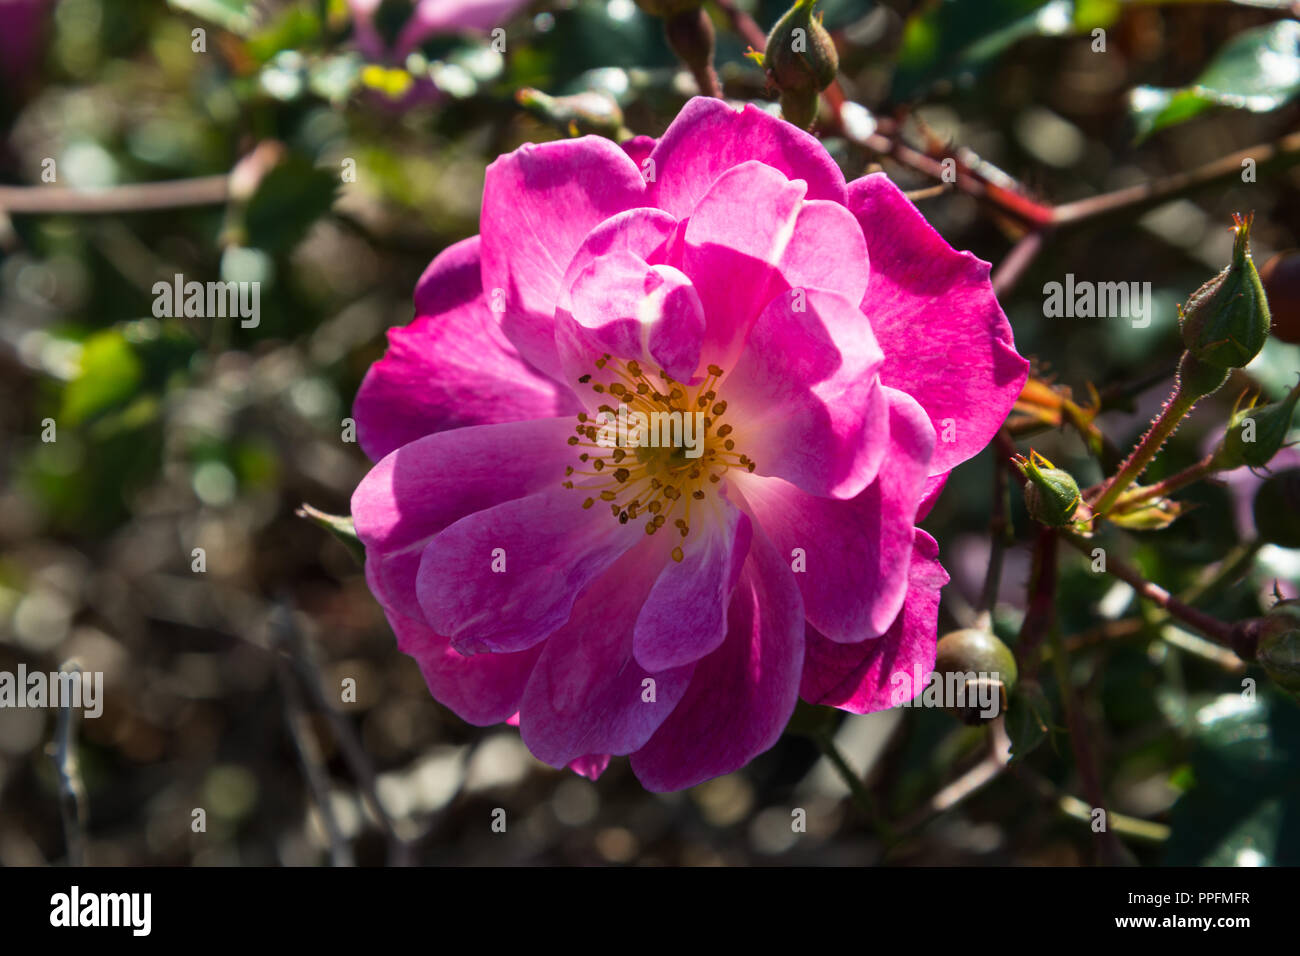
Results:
1258 70
1243 806
294 29
288 200
961 39
1028 720
340 526
237 16
110 373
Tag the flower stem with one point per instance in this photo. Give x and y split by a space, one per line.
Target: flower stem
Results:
1195 380
1211 627
861 795
1189 475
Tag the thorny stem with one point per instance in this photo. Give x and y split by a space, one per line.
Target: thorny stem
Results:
1180 403
1167 486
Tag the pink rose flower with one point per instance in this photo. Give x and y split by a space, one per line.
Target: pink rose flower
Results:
643 600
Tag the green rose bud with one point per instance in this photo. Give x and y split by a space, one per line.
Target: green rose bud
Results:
1255 435
1273 642
984 665
800 61
1051 493
579 114
1226 321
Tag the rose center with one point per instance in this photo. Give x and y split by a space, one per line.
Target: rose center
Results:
653 450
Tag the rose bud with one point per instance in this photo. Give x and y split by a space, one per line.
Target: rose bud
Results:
1255 435
986 665
1226 320
1273 642
1051 493
801 61
1277 509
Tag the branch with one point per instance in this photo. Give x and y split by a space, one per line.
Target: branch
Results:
1211 627
239 183
1281 153
72 792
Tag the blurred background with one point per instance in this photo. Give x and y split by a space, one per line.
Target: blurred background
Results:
352 173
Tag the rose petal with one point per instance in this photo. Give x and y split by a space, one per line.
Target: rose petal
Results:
945 338
539 204
708 137
587 693
685 616
482 689
418 490
552 550
450 367
879 673
742 695
804 398
855 552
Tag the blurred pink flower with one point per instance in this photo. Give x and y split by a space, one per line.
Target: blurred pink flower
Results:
846 357
22 26
428 18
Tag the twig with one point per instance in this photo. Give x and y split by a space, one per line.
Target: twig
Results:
1211 627
300 656
861 795
1000 534
743 24
969 783
1283 152
309 755
239 183
1040 609
1016 262
72 792
1112 851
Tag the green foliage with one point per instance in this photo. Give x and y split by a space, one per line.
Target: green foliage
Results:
1258 70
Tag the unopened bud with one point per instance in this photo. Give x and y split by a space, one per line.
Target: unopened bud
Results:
579 114
1255 435
1051 493
1226 320
800 61
985 665
1273 641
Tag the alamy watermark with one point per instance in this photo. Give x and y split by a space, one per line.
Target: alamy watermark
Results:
208 300
973 691
633 429
1098 300
56 689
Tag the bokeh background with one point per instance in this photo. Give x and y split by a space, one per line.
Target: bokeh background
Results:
175 434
